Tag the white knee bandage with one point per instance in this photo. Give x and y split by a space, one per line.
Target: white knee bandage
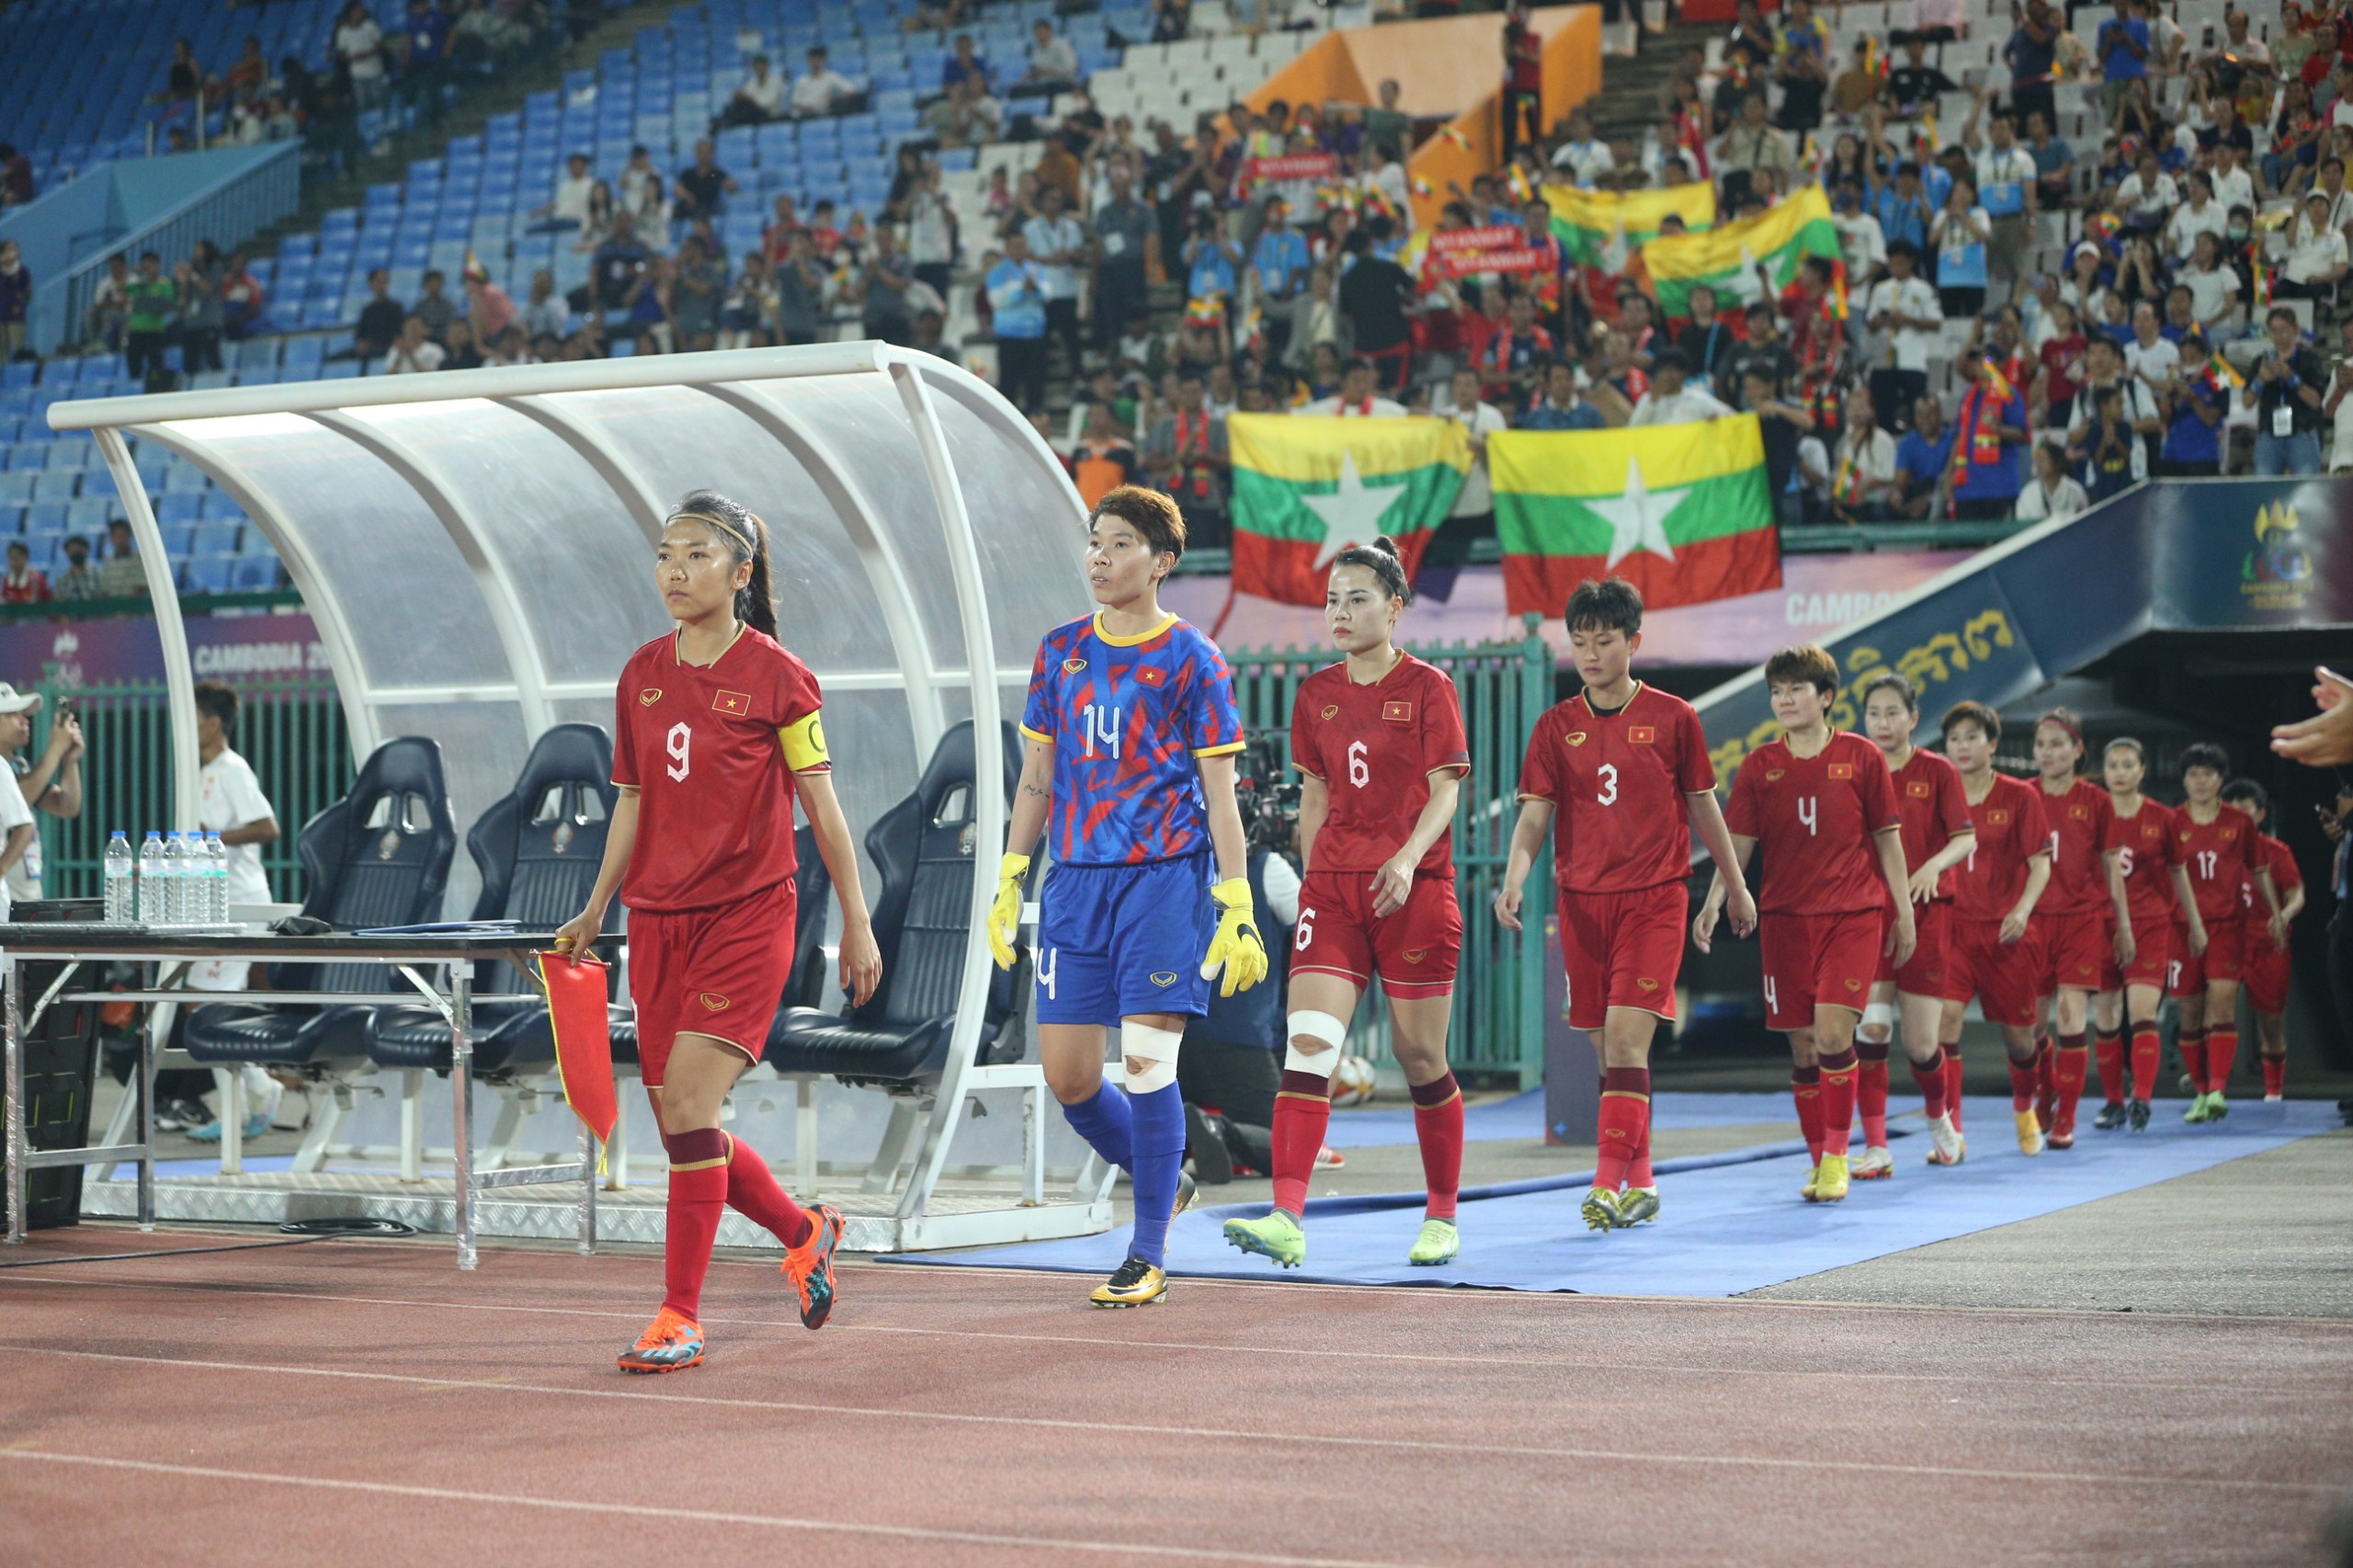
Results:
1881 1014
1314 1026
1156 1049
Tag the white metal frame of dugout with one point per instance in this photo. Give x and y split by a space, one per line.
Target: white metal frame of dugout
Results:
473 548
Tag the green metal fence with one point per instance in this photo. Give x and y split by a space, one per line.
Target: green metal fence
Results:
1498 1027
291 732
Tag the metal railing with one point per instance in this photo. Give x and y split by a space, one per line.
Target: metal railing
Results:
1499 1025
1808 539
291 732
228 211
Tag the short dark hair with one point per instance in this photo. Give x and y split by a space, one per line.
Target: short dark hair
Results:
2205 753
1608 604
1805 663
2278 311
2249 791
1379 558
1901 685
1148 512
1670 360
1359 363
215 701
1971 711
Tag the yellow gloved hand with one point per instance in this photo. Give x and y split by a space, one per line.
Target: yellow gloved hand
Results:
1236 948
1005 915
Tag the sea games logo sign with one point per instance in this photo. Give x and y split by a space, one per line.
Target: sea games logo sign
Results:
2276 574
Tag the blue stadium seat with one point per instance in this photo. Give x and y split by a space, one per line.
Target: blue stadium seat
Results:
57 487
12 518
255 574
90 514
179 538
220 506
215 539
177 507
210 575
184 479
45 516
17 488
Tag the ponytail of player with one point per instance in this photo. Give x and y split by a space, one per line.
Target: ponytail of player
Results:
746 538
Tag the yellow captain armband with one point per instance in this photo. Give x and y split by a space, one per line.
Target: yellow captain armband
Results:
804 745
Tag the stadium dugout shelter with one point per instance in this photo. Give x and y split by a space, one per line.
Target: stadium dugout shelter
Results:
475 549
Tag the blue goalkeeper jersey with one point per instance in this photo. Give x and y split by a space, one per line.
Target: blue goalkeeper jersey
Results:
1128 717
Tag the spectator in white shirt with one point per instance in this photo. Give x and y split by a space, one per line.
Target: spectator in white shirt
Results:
360 45
1904 308
2316 253
1479 420
2201 214
2338 406
1583 157
2148 194
1670 401
817 92
413 352
2151 356
757 100
2213 286
569 210
2053 492
2233 186
1862 480
1356 399
1053 63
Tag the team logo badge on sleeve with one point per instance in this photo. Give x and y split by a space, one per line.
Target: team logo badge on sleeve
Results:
1574 738
649 695
1072 666
1331 712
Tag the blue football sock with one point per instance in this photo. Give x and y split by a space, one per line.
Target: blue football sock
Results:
1104 1122
1159 1156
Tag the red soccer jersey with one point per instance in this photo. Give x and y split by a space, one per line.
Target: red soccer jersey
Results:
2079 819
712 750
2011 831
1375 747
1929 798
2285 877
2143 843
2219 855
1618 783
1813 818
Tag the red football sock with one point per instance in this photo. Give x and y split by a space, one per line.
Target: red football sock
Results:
2046 1083
2193 1056
1837 1102
1302 1114
1870 1091
2275 1074
697 1198
2222 1055
2067 1074
1805 1087
1931 1081
1952 1084
1638 1169
2144 1060
753 1192
1624 1125
2109 1047
2022 1085
1437 1125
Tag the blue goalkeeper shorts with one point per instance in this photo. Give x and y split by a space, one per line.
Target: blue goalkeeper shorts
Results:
1114 941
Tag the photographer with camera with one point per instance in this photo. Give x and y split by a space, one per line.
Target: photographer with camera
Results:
1227 1073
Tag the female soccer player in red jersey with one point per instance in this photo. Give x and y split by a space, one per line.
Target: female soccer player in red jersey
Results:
718 735
1131 734
1627 770
2157 899
1819 802
2075 924
1995 895
1938 834
2217 847
2265 971
1378 739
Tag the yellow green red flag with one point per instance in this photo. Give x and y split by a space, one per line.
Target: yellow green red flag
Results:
1306 487
1726 257
1599 228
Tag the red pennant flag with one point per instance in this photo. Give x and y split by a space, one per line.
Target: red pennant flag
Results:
583 1047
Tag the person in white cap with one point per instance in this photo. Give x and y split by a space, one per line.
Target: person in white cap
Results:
53 784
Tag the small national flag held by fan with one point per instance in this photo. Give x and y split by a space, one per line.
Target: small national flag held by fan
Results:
576 992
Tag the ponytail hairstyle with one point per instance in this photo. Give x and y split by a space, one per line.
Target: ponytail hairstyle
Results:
1379 558
746 539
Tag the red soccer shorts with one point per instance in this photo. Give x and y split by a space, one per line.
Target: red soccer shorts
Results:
2076 950
2264 971
1813 960
2225 955
1413 950
2001 976
1622 949
718 971
1924 975
2153 944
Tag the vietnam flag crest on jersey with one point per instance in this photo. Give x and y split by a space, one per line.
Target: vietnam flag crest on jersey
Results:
1306 488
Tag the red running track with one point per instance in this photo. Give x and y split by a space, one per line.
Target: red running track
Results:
362 1403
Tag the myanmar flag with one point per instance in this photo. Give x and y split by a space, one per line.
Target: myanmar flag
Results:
1596 227
1306 487
1726 257
1681 511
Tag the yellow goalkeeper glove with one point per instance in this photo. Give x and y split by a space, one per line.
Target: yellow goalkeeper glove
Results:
1005 915
1236 947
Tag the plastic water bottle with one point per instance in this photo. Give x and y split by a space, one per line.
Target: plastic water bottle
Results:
216 876
122 890
176 880
152 891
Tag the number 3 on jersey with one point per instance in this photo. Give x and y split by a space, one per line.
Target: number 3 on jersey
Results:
1607 774
681 743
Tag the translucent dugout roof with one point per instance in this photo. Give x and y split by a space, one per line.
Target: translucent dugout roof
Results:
475 547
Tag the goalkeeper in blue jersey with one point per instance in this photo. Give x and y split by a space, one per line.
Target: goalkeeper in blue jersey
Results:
1131 735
